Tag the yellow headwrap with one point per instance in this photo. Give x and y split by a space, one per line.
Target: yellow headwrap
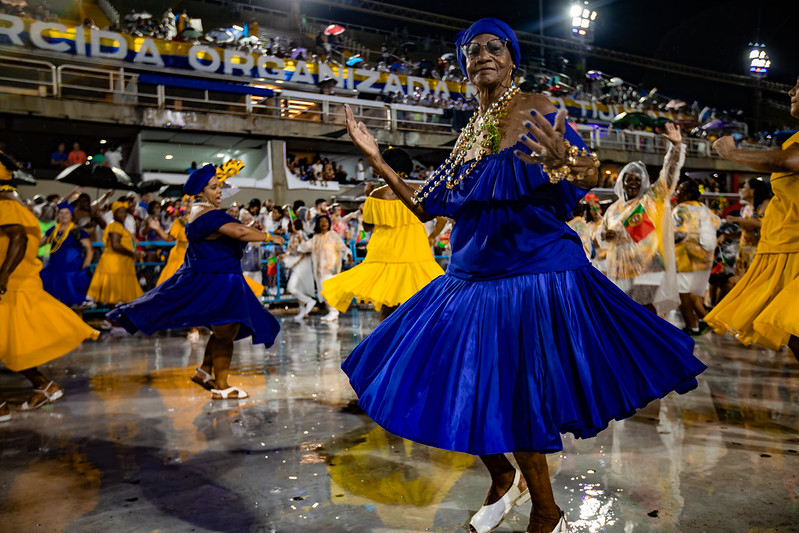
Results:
117 205
228 169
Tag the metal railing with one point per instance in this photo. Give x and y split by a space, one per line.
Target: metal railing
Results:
119 86
274 277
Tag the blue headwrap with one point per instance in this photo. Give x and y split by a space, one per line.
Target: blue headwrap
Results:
494 27
199 179
67 205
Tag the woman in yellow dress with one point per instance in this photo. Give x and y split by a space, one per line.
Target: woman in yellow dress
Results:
177 234
35 328
399 260
114 280
761 308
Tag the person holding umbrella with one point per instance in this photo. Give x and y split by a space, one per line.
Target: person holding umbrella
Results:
209 289
115 280
28 341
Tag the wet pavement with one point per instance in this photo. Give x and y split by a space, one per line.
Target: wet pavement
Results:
135 446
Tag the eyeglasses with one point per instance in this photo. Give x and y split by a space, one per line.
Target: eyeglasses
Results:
494 47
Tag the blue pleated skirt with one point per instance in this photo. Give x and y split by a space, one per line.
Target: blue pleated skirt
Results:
68 287
508 365
199 299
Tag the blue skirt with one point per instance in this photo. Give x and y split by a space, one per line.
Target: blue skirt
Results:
196 299
68 287
507 365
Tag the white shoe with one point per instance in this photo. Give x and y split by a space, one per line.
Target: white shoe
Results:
489 517
332 316
305 310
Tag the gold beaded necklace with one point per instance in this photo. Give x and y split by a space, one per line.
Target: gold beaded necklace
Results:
57 238
469 137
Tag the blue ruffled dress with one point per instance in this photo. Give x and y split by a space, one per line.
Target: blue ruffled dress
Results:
63 277
522 339
208 290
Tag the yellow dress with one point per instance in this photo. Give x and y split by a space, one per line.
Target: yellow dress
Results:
34 327
178 252
761 308
114 280
398 261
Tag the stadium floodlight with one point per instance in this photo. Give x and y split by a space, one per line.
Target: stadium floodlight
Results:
759 63
582 18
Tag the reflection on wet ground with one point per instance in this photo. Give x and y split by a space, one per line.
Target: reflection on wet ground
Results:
135 446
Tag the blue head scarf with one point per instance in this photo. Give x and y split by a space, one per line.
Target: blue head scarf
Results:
199 179
494 27
67 205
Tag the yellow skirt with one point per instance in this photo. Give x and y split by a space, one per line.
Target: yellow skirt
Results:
780 319
173 263
760 309
115 281
254 286
40 329
378 283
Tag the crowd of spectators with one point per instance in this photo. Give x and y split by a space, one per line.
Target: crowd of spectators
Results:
103 155
37 10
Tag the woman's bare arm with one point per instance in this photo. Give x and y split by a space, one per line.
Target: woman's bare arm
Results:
366 143
759 160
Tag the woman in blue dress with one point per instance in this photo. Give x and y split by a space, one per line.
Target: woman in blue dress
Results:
522 339
209 289
66 274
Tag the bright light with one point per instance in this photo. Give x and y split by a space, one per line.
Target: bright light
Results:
168 156
582 17
220 154
103 141
759 62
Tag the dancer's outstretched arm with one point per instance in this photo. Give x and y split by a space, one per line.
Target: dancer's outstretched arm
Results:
366 143
760 160
240 232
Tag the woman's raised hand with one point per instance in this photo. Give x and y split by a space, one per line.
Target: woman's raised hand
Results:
363 140
544 139
673 134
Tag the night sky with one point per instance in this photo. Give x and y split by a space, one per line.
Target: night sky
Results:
710 34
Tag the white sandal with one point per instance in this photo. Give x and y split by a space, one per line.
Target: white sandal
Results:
241 394
48 398
489 517
6 417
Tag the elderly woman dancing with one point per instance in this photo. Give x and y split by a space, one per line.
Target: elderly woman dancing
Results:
521 340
